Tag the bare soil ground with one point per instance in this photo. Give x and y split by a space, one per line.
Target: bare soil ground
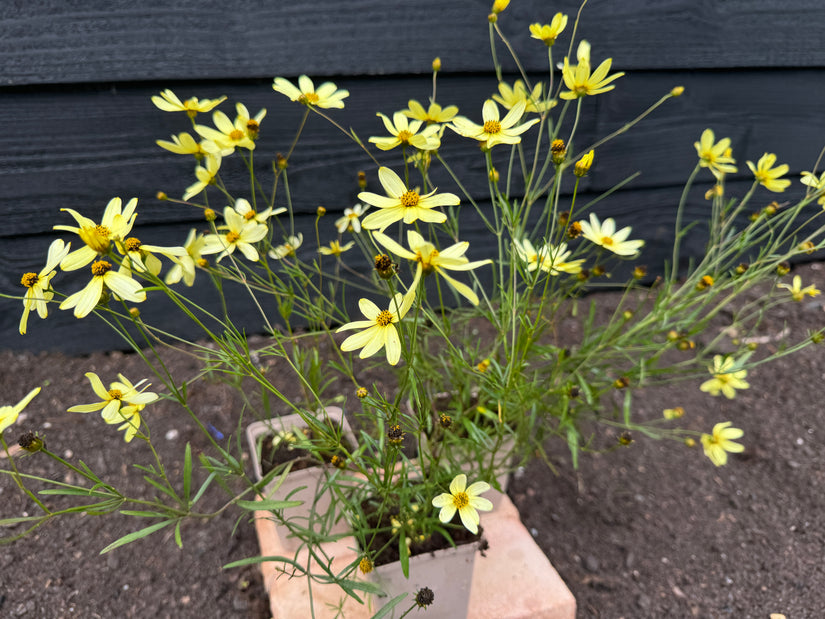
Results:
647 531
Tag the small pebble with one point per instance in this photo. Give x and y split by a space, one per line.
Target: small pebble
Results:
171 435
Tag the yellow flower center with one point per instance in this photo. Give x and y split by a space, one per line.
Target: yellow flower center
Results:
30 279
384 318
427 261
250 214
461 500
404 136
203 263
132 244
410 199
308 98
100 268
97 238
115 394
231 237
492 127
607 241
236 135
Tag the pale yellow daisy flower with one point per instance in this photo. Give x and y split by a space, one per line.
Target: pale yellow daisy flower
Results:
378 329
168 101
237 233
433 114
465 500
767 175
494 131
548 33
9 414
97 238
405 133
716 156
798 293
327 95
38 285
605 234
84 301
726 379
720 442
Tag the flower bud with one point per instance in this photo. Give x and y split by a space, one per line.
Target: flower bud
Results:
494 176
361 393
558 151
783 268
320 211
209 214
639 271
625 438
161 196
677 91
583 165
362 179
280 162
500 5
436 64
395 435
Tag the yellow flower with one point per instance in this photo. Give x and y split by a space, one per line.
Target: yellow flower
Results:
335 248
205 175
509 97
404 204
140 257
326 95
715 156
350 220
725 379
245 209
718 444
430 259
605 234
433 114
581 81
184 267
185 144
500 5
798 292
549 259
232 134
817 184
38 285
494 131
168 101
406 133
767 175
130 415
240 234
114 226
582 166
465 500
84 301
287 249
379 328
9 414
549 32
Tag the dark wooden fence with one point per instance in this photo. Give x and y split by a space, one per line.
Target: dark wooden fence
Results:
79 127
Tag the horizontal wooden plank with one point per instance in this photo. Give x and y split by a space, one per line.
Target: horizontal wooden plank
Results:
55 42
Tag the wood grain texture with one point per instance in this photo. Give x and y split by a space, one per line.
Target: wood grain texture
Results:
58 42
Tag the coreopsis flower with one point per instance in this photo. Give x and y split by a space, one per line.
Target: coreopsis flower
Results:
335 248
767 175
582 166
465 500
244 208
229 134
168 101
84 301
404 204
605 234
97 238
130 416
433 114
185 144
548 33
9 414
405 133
430 260
817 184
494 131
350 220
379 328
581 82
726 379
38 285
798 293
288 248
555 260
205 175
141 257
237 233
720 442
533 102
184 266
715 155
326 95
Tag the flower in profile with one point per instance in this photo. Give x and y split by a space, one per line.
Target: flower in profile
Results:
228 134
404 204
581 82
494 131
767 175
121 393
240 234
430 260
245 209
605 235
130 416
9 414
184 266
533 102
716 156
583 165
168 101
726 379
84 301
721 441
433 114
325 96
38 285
817 184
140 257
287 249
548 33
185 144
205 175
97 238
379 328
798 293
335 248
464 499
405 133
350 221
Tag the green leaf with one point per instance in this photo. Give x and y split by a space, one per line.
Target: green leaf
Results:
203 488
76 492
627 399
267 505
404 555
178 539
385 610
256 560
142 514
136 535
187 472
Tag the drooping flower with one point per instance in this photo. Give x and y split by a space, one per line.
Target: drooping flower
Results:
240 234
494 131
433 114
405 133
548 33
184 266
84 301
726 380
326 95
350 220
288 248
798 293
97 238
404 204
430 259
335 248
767 175
38 285
581 82
205 175
817 184
720 442
465 500
379 328
533 102
605 234
168 101
9 414
716 156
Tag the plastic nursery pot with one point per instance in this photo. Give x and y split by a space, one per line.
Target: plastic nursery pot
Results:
301 484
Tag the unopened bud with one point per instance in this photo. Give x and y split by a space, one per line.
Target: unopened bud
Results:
161 196
320 211
500 5
677 91
436 64
280 162
209 214
362 179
